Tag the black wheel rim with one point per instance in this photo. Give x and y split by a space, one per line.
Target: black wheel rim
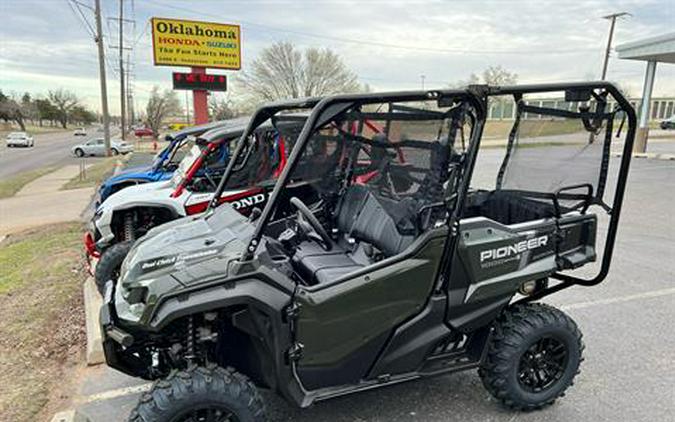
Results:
211 413
542 364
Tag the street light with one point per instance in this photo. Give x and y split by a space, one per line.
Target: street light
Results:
612 18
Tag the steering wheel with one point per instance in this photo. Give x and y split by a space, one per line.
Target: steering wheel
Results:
307 218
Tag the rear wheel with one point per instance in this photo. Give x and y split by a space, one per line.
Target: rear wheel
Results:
533 356
79 152
201 394
108 266
114 151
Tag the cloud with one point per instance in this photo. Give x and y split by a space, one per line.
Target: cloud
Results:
389 44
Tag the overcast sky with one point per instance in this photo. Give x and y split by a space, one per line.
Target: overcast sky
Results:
389 44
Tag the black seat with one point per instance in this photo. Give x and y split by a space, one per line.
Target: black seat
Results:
316 265
363 217
376 221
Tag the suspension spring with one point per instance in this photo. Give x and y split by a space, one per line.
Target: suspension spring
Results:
129 232
190 340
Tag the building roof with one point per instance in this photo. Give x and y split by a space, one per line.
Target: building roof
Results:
660 48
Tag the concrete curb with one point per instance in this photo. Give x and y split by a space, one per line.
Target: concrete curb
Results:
92 306
70 416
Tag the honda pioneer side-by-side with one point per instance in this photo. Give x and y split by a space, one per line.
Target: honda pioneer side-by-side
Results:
397 263
130 213
164 163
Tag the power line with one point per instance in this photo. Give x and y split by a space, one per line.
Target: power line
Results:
138 39
81 17
382 44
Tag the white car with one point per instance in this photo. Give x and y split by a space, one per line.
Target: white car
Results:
80 131
20 139
97 147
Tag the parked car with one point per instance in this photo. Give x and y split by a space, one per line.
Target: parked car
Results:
144 131
177 126
371 285
20 139
97 147
668 123
80 131
165 162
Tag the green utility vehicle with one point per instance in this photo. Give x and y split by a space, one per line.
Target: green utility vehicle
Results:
399 263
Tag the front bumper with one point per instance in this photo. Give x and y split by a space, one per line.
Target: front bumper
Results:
90 251
18 144
117 342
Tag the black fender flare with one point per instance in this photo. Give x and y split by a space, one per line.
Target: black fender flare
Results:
260 296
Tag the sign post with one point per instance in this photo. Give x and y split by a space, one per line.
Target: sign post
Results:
200 101
199 45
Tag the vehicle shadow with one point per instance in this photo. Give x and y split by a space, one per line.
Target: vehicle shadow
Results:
456 397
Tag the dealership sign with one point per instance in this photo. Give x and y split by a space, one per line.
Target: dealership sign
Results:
199 81
177 42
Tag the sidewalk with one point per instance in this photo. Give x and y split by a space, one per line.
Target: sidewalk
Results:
41 202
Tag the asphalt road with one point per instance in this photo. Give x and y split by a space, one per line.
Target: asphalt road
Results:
629 372
51 149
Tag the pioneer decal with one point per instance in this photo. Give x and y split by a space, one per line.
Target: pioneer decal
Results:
491 257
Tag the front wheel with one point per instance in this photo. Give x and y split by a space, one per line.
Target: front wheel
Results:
108 266
79 153
201 394
114 152
533 356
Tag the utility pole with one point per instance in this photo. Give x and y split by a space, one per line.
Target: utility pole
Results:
611 18
122 96
422 77
130 96
101 70
187 109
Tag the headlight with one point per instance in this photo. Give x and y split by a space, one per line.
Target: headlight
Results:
130 302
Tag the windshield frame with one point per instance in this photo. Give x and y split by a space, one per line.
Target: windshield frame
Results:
330 107
194 159
258 118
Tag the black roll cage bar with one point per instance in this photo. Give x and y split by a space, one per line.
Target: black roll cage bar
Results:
324 109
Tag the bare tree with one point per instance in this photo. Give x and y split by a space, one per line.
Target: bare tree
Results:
63 101
493 75
221 108
282 71
161 105
471 80
497 75
11 110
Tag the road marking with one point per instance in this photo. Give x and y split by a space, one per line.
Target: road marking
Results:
120 392
621 299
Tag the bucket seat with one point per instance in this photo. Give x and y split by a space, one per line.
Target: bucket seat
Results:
363 217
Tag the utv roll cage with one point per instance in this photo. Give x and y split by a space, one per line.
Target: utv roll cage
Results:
584 91
477 96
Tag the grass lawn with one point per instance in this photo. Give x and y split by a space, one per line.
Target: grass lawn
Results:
500 129
33 130
97 173
9 187
41 319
